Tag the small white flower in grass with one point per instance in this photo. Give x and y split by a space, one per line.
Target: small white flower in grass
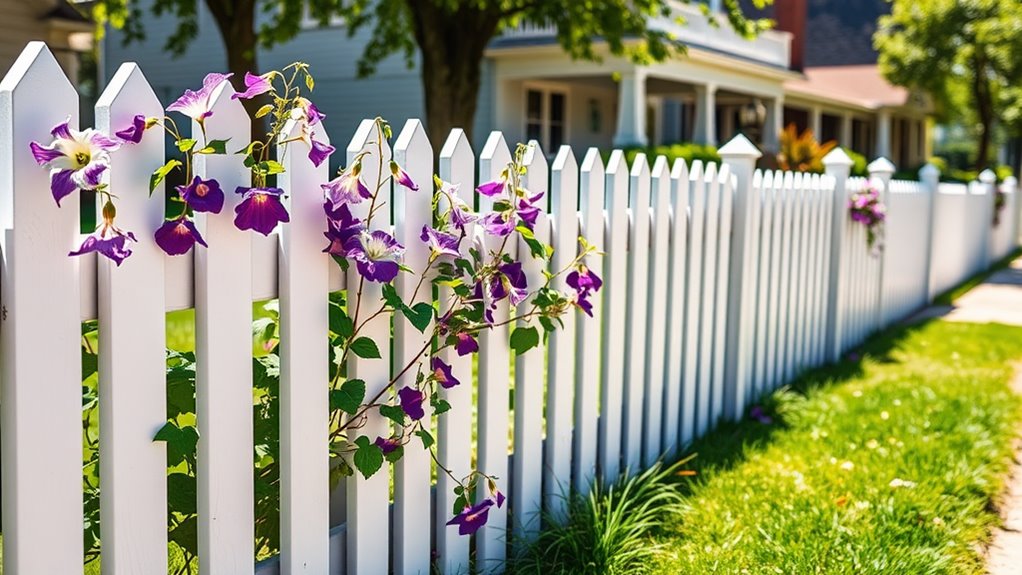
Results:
847 466
857 393
872 444
938 521
897 482
884 415
862 505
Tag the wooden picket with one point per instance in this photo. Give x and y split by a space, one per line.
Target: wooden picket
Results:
412 212
656 322
494 384
588 343
528 469
368 500
454 428
721 283
615 292
223 353
132 340
561 385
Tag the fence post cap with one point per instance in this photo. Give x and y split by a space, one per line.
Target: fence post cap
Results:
739 147
837 158
987 176
929 171
881 166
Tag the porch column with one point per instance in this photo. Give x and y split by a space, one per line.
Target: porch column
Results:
882 149
774 124
706 115
631 109
846 130
671 120
816 122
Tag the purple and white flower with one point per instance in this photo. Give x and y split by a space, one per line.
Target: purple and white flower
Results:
440 243
341 228
585 283
509 282
177 236
402 177
107 240
196 105
254 86
76 160
466 344
260 210
133 133
312 114
493 188
377 255
203 195
475 516
347 188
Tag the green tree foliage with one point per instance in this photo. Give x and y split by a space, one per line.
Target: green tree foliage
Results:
967 54
450 35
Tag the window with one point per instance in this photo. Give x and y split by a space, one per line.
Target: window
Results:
546 118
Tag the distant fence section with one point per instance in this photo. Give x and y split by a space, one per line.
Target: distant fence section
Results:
722 282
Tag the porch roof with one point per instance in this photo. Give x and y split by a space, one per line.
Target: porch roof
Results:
860 86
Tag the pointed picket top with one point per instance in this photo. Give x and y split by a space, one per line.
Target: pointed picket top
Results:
456 145
36 60
457 164
640 166
695 171
739 147
679 171
564 192
881 166
710 172
537 176
662 188
987 176
766 179
492 161
837 157
412 146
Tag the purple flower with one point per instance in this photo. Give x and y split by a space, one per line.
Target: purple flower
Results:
76 160
402 177
386 445
411 402
196 105
260 209
254 86
759 414
133 134
493 188
585 283
347 188
498 224
341 228
466 344
176 237
510 283
443 374
440 243
528 211
203 195
107 240
318 151
460 215
376 255
309 110
472 518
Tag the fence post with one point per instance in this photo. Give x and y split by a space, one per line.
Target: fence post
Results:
989 180
929 176
881 169
740 155
838 165
1011 188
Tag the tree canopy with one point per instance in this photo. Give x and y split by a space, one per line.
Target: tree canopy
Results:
967 54
449 35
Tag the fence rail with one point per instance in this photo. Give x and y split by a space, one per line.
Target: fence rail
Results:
721 283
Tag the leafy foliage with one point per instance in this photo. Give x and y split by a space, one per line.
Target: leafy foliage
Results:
966 54
802 152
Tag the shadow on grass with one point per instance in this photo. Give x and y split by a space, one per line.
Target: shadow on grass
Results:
731 442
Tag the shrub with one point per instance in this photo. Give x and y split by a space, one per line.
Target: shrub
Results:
802 152
859 163
687 151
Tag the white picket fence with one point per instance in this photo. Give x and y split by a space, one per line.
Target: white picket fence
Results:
721 283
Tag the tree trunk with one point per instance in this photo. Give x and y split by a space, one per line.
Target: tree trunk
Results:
452 44
984 110
236 21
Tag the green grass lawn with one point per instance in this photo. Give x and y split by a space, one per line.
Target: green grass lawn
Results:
884 465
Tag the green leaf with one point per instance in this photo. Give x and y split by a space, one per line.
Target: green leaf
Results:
186 144
398 453
365 348
181 493
186 535
270 167
427 439
349 397
392 298
440 406
161 173
368 458
309 82
524 338
214 147
340 323
419 315
264 110
393 413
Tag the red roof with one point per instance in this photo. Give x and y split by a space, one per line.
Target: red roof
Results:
861 85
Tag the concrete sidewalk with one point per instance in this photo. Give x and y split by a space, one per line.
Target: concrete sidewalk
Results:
999 299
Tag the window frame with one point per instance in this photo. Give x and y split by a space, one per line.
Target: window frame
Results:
546 91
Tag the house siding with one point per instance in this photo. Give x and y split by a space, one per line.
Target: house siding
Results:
22 21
